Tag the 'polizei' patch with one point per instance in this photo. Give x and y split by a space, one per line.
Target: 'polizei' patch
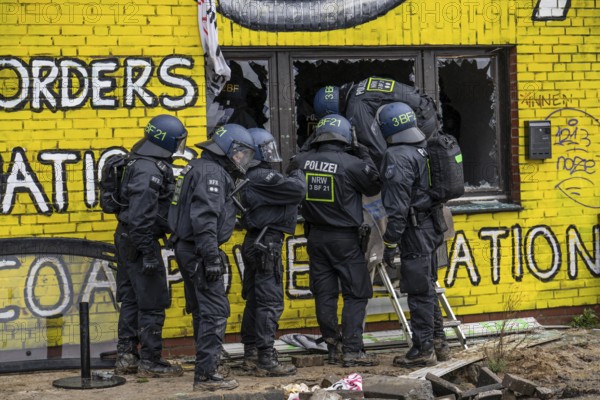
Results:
213 186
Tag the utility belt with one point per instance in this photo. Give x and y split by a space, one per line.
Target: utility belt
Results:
330 228
363 232
416 216
436 215
253 232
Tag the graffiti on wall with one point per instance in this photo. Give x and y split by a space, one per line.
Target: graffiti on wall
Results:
324 15
21 178
575 138
551 10
55 274
65 83
523 250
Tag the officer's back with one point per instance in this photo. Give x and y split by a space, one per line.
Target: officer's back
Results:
336 179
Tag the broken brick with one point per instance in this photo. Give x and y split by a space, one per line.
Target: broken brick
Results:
543 393
487 377
474 392
441 386
329 380
518 384
310 360
490 395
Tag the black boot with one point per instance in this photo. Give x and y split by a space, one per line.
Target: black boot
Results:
334 351
423 356
214 382
128 358
359 359
268 365
158 369
442 349
127 363
250 358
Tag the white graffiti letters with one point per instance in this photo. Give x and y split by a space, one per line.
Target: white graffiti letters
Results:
539 243
60 84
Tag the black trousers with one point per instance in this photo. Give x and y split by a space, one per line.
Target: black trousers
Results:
418 277
209 306
143 299
336 261
262 288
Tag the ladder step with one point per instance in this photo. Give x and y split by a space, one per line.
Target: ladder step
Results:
438 290
451 323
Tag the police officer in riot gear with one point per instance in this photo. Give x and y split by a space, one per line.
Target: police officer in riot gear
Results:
271 201
410 225
202 216
336 181
145 190
359 103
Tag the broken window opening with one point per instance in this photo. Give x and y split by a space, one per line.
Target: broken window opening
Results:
244 99
468 102
311 75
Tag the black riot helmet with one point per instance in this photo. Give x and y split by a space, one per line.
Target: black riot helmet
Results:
398 124
327 101
234 142
163 136
264 145
333 128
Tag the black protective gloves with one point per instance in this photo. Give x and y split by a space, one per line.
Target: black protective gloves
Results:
150 264
213 269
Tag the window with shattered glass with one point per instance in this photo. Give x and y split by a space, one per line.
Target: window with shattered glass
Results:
468 103
310 75
244 99
274 89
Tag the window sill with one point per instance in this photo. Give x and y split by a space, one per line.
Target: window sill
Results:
485 206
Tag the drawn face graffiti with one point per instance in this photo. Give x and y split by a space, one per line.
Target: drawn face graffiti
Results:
312 15
325 15
575 132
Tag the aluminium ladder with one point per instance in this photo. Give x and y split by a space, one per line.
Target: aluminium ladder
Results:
395 296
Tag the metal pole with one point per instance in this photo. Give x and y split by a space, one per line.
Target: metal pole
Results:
86 381
84 340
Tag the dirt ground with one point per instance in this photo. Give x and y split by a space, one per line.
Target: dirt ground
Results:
570 365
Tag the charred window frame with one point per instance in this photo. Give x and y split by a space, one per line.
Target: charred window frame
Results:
491 156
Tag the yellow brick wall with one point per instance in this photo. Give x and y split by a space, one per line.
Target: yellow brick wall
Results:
556 60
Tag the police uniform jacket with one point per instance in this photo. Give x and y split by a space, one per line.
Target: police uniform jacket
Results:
272 199
362 100
202 210
146 190
336 181
405 184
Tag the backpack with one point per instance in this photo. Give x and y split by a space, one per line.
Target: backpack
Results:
446 176
110 183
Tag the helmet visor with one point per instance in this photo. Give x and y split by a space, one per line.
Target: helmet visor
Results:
241 155
269 152
181 145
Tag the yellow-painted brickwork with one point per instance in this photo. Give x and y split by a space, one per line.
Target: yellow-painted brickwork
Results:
68 76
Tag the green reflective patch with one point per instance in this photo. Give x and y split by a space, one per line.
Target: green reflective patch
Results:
320 187
458 158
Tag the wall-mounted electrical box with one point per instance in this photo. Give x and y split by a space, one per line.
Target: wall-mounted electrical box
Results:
539 139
